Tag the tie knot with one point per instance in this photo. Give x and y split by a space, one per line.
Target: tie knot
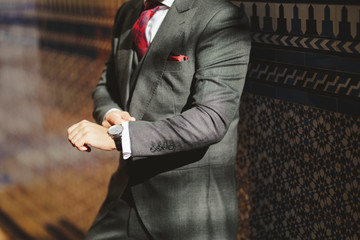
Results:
149 4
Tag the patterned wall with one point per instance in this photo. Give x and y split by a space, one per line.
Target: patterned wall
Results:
308 47
299 134
298 168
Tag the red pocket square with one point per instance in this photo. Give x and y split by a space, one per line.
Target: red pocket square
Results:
177 58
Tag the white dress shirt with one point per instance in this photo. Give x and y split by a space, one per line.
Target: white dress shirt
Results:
150 32
156 20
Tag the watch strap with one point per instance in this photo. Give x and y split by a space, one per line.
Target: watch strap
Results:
118 143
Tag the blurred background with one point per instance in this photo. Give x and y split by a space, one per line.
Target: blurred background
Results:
299 134
51 55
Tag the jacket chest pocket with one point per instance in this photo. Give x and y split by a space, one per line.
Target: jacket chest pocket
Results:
173 66
179 62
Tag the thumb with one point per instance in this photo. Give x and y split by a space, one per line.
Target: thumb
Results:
106 124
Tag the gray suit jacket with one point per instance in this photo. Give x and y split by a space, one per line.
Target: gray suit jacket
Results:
184 141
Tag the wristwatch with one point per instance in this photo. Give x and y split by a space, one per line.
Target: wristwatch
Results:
115 132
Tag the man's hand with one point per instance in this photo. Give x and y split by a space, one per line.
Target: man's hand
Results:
116 118
84 134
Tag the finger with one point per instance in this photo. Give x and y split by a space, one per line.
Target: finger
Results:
75 134
71 129
126 116
106 124
114 119
76 126
71 138
80 137
81 140
118 121
84 148
80 144
71 143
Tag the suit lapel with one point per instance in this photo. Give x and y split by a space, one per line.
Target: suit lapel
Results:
148 73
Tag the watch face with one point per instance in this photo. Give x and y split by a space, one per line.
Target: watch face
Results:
115 130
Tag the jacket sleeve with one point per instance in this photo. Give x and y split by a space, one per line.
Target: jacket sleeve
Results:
222 55
104 95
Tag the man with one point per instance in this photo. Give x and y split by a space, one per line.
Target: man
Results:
178 103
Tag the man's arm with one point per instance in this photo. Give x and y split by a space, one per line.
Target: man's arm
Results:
85 134
222 58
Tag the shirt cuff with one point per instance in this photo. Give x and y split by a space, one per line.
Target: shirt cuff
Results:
125 141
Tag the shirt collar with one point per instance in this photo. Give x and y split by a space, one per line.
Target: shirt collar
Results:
167 3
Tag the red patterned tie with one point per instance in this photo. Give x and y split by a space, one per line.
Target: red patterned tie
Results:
138 30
